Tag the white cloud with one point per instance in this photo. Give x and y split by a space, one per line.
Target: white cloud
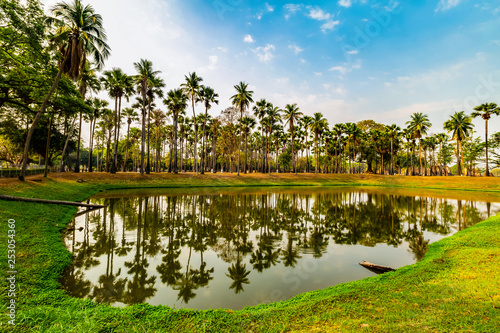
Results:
222 49
317 13
353 52
387 84
329 25
445 5
265 53
292 8
296 49
318 73
248 39
303 61
283 80
345 3
269 8
340 69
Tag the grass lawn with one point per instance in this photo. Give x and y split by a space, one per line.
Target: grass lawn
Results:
455 288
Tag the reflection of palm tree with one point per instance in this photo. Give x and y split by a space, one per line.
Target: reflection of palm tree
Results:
238 273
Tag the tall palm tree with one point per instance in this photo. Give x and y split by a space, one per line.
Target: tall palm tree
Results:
215 128
338 130
393 131
176 102
461 127
143 81
98 105
419 125
441 137
259 111
207 96
318 126
291 117
306 123
247 124
408 135
131 116
485 111
79 33
88 80
154 90
192 89
241 100
119 85
272 119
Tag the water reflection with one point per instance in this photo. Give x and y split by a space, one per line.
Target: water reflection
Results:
208 250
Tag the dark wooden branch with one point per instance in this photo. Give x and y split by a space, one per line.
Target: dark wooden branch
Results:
376 268
55 202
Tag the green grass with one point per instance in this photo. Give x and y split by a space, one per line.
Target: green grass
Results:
455 288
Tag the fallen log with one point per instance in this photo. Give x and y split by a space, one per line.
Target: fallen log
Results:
376 268
55 202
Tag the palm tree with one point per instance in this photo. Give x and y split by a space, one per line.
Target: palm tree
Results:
273 117
131 116
392 131
408 135
318 125
88 80
79 33
154 90
247 123
176 102
98 105
338 130
419 125
259 111
461 126
215 128
208 96
291 117
306 123
192 89
144 80
241 100
485 111
441 137
119 85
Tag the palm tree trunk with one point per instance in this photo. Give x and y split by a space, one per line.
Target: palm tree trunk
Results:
486 142
392 157
148 166
195 137
77 163
175 142
420 157
203 156
126 148
61 164
37 118
48 148
316 153
462 156
143 137
246 152
239 139
459 170
117 136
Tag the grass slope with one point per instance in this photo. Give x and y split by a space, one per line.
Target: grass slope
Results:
455 288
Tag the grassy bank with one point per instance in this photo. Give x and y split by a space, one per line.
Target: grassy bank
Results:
454 289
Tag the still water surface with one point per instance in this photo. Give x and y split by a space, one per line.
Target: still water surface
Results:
219 248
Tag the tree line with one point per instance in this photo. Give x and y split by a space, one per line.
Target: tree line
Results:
50 76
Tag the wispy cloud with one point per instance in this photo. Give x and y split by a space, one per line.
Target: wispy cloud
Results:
265 53
445 5
345 3
319 14
342 70
269 8
222 49
296 49
248 39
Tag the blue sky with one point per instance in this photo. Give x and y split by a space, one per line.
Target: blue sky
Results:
349 59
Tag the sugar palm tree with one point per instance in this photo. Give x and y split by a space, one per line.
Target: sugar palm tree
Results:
88 80
79 32
485 111
291 117
98 105
241 100
306 123
393 131
176 102
419 125
154 90
461 127
207 96
131 116
259 111
273 118
338 130
441 137
247 124
318 126
119 85
408 135
143 80
192 89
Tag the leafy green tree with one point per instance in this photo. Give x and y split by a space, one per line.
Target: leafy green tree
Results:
318 125
79 32
393 131
247 124
485 111
291 117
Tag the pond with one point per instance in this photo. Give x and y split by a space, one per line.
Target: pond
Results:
220 248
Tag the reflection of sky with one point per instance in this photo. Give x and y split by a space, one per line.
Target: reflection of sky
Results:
338 264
